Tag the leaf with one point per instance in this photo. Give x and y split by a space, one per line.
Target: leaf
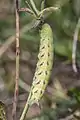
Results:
64 48
75 92
76 7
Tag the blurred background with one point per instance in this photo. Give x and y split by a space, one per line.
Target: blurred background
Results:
63 78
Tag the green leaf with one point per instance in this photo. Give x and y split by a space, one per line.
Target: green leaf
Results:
63 47
76 7
75 92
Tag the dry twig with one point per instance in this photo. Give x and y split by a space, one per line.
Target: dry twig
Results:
17 62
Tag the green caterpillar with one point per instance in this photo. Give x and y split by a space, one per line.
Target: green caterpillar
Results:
43 68
2 111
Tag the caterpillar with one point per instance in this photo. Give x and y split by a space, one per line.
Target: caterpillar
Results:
2 111
43 67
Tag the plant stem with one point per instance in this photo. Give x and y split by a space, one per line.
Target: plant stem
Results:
42 4
29 5
75 38
48 10
24 111
34 7
26 10
17 61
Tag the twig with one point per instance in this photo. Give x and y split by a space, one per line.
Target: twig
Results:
34 7
26 10
42 4
17 62
75 38
29 5
49 9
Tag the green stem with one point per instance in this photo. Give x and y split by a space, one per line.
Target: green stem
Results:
28 5
42 4
48 9
31 9
24 111
34 7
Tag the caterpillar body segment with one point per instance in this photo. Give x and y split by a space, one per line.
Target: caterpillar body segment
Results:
43 67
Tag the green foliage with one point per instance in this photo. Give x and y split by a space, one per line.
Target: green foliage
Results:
75 92
64 48
76 8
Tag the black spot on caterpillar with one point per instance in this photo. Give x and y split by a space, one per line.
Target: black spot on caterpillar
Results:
41 63
42 55
39 73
